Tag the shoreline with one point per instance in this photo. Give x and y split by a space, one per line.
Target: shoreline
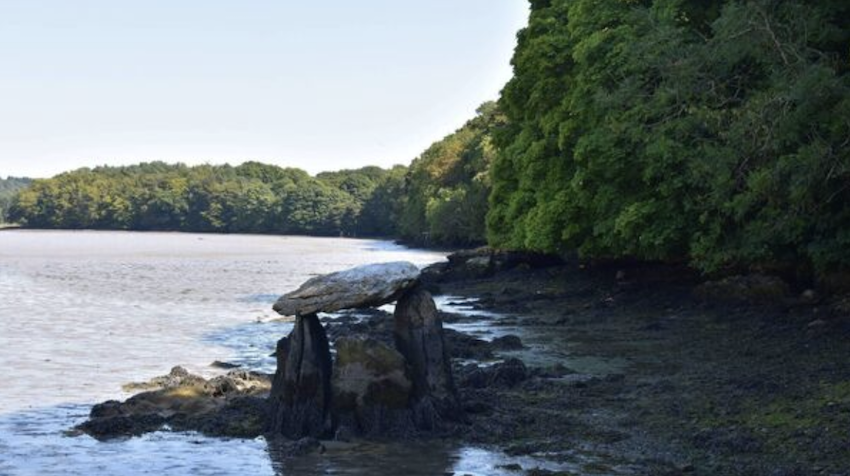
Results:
603 371
663 380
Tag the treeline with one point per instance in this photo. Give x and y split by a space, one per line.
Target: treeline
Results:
251 197
711 132
440 199
9 187
444 199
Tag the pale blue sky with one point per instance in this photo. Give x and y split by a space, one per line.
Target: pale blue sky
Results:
321 86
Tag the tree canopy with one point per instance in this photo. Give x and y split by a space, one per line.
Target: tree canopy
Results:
446 188
251 197
713 132
9 187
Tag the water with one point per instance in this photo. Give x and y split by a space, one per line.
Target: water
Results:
82 313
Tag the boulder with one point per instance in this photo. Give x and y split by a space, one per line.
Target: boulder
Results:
419 337
508 342
371 389
178 377
507 374
228 405
364 286
301 391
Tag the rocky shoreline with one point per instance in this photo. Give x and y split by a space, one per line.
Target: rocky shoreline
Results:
606 370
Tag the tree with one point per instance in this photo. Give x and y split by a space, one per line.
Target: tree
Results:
669 129
451 175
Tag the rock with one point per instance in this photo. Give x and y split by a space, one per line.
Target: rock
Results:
557 370
482 262
241 417
809 295
465 346
509 373
178 376
752 287
474 378
371 389
228 405
300 398
224 365
363 286
480 265
122 425
419 337
507 342
238 382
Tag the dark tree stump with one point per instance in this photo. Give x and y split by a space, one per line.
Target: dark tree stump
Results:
301 391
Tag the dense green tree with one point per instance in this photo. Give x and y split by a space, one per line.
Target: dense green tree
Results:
381 211
252 197
446 187
674 129
9 187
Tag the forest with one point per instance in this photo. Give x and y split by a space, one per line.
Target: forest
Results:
251 197
9 187
440 199
710 133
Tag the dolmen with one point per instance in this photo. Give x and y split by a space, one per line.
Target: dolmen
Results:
365 387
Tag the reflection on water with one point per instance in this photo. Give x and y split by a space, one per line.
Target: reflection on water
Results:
34 443
408 458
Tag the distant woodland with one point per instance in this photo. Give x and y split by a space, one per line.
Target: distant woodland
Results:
712 133
9 187
441 198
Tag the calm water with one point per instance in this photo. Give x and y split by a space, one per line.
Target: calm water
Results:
82 313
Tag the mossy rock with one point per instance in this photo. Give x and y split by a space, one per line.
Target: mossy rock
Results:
368 372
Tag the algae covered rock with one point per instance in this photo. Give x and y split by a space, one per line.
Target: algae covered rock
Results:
371 388
229 405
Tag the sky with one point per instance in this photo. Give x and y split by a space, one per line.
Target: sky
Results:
315 85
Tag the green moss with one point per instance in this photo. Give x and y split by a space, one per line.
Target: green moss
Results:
375 356
789 424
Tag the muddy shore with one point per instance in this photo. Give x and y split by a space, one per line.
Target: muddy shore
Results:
660 379
612 370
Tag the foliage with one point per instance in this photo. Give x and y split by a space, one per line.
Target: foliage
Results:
679 129
8 188
446 188
251 197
